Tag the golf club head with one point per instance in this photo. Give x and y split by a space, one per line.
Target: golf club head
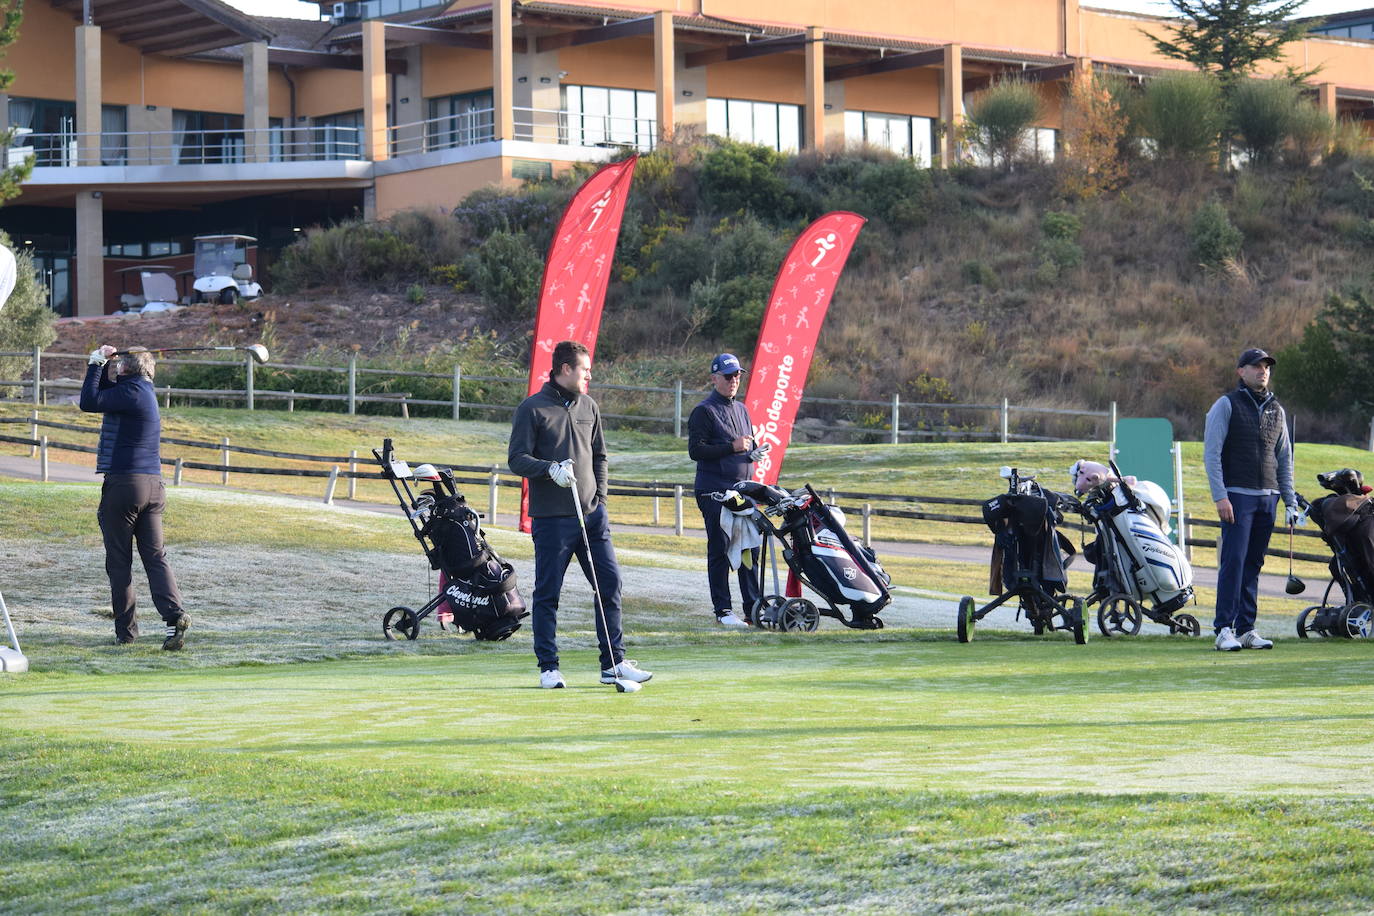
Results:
624 686
258 351
1295 586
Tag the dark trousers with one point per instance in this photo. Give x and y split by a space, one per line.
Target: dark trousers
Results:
131 508
556 541
1240 558
718 562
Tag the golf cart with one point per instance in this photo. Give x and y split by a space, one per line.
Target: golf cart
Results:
159 290
222 270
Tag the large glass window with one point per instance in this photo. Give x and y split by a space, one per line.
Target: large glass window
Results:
773 124
905 135
206 137
600 116
460 120
50 130
339 136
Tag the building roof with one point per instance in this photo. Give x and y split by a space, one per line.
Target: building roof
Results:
172 27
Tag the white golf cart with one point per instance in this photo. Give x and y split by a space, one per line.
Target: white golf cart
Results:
159 290
223 273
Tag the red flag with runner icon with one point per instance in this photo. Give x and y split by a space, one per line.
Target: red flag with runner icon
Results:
801 295
576 274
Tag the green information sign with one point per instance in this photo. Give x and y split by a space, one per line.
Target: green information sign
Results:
1145 450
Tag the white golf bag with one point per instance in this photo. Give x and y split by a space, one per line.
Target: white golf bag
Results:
1144 563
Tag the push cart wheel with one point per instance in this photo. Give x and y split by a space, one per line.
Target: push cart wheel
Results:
1357 620
1305 626
798 614
966 606
400 622
766 612
1186 624
1080 632
1119 615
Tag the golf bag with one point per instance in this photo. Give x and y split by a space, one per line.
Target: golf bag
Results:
477 586
821 555
1030 557
1138 571
1346 520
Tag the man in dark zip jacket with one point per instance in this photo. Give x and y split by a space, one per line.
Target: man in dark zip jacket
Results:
1249 462
132 498
720 439
557 443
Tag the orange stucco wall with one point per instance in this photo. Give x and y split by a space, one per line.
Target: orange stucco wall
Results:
624 64
43 57
449 71
777 78
913 92
443 186
322 92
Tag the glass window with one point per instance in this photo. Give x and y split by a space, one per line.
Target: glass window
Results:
904 135
200 137
602 116
338 136
460 120
771 124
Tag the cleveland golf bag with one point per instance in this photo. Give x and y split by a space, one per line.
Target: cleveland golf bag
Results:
821 555
476 587
1346 520
1138 571
1029 560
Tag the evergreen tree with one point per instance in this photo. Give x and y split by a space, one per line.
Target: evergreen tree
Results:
1230 37
11 13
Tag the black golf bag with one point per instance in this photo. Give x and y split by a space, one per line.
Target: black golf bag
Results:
477 586
1346 520
820 554
1029 560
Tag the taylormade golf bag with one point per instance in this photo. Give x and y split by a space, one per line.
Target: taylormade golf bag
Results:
1133 554
821 554
1346 520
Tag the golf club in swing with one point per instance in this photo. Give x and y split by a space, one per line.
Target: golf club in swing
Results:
622 685
257 351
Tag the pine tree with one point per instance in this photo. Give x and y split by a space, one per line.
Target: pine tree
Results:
11 14
1230 37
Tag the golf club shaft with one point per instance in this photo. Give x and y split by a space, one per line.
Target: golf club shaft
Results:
591 567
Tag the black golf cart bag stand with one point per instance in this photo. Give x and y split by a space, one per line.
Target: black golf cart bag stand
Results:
1346 520
820 555
1028 561
480 588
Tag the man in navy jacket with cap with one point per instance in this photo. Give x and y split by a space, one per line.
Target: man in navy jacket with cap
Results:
1249 462
720 439
132 498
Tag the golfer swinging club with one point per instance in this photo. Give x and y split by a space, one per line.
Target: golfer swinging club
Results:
133 496
557 443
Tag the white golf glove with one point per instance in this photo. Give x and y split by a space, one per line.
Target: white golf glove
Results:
1295 516
99 357
759 452
562 473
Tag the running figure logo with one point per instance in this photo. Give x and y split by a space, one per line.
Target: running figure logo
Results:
824 245
600 206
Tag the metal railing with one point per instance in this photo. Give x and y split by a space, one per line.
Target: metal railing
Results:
661 407
325 142
537 125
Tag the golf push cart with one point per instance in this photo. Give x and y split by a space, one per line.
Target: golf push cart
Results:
477 589
1346 520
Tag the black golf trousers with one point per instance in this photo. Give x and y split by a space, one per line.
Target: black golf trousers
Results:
131 508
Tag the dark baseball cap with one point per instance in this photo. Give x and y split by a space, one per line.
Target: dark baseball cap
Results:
1252 356
725 364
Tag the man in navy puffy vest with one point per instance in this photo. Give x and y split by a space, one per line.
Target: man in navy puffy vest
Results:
132 498
720 439
1249 461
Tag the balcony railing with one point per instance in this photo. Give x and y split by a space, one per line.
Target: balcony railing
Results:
218 147
538 125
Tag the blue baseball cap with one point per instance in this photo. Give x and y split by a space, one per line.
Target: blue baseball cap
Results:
725 364
1252 356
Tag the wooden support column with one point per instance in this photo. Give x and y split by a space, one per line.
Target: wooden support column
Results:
375 145
665 71
951 103
1326 98
87 98
814 132
503 69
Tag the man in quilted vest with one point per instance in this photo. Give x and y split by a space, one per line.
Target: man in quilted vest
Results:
132 498
1249 461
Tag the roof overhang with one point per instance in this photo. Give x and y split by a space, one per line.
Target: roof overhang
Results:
174 28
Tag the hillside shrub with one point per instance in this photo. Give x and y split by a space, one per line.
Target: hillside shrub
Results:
1310 132
1094 128
348 254
1058 224
739 177
1182 114
1000 119
25 321
505 271
1215 239
1326 370
1262 116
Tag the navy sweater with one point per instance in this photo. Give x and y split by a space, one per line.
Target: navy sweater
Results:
132 425
713 427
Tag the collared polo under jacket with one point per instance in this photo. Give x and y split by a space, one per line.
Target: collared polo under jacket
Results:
549 426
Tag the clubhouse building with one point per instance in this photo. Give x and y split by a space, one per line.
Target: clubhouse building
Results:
150 122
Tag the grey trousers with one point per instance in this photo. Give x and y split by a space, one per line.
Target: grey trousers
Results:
131 508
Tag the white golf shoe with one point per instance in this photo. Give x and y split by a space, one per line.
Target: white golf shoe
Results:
552 679
730 620
1252 640
625 671
1226 640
